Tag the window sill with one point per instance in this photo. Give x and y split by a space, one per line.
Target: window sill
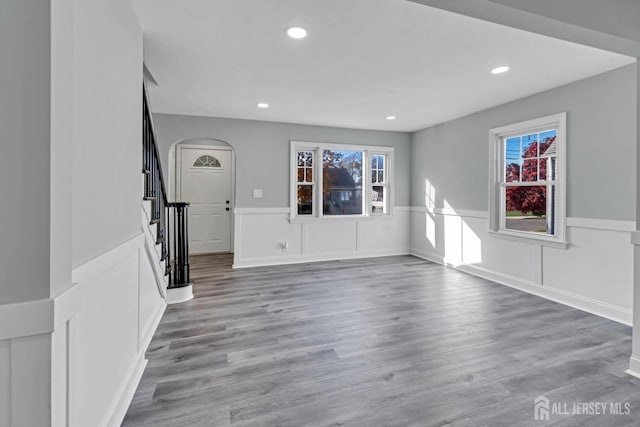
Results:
514 236
312 219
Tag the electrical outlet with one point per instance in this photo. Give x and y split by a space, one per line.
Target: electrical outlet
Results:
257 193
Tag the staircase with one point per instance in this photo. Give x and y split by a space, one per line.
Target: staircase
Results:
165 223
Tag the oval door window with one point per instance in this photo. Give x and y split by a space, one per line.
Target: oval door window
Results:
207 161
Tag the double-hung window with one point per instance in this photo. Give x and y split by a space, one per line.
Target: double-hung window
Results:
379 183
528 180
333 180
305 182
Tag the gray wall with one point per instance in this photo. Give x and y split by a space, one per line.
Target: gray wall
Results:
610 25
107 184
617 17
25 47
601 148
61 176
62 152
262 151
638 140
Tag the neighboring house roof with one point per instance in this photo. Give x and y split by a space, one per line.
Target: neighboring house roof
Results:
338 177
551 150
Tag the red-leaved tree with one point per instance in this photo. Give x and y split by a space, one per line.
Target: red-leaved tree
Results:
529 198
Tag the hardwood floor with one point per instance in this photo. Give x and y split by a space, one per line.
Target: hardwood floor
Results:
388 341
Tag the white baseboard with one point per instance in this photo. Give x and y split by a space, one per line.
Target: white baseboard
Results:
438 259
301 259
580 302
634 366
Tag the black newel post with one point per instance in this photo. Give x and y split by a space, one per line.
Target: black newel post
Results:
180 273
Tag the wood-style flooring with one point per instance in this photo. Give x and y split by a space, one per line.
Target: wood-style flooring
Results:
388 341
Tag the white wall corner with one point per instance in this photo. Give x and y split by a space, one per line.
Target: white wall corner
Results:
634 366
428 256
66 305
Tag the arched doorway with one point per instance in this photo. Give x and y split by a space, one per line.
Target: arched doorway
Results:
203 174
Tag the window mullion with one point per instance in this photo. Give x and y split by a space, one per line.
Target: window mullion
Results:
366 182
317 165
522 164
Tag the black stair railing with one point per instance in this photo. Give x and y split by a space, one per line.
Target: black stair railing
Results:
171 235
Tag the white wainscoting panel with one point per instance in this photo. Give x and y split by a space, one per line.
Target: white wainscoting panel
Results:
424 240
107 341
101 329
595 273
30 380
75 359
598 265
510 258
380 236
25 363
5 383
60 376
332 236
151 303
260 234
121 307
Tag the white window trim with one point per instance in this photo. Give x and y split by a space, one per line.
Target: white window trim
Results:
317 148
496 154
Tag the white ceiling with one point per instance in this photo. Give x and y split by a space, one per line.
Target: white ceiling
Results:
362 61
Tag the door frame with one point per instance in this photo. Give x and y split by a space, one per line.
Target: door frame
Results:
175 162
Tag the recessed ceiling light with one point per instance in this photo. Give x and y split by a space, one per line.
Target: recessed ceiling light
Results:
262 105
501 69
391 117
296 32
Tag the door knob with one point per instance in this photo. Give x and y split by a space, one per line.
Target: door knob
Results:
227 209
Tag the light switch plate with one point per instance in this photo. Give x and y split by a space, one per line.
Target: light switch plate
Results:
257 193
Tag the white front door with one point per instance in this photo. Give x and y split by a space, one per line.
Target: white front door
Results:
205 182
